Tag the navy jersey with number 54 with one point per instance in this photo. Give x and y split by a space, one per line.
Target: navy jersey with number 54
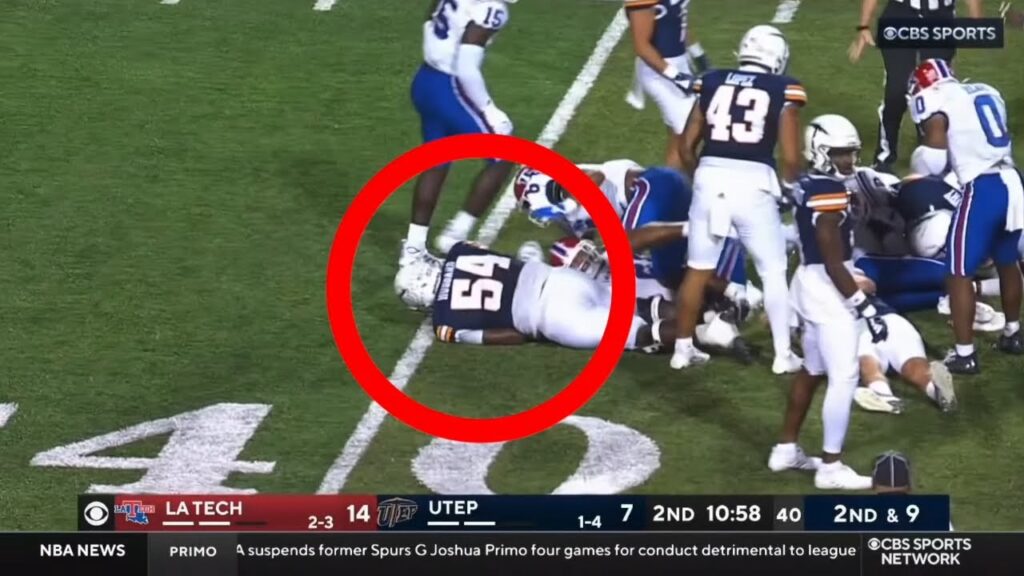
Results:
741 112
476 289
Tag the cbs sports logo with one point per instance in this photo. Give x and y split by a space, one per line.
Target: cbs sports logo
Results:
96 513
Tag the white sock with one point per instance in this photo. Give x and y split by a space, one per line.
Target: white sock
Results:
881 387
987 287
776 304
964 349
683 345
932 392
416 237
462 223
1011 328
835 413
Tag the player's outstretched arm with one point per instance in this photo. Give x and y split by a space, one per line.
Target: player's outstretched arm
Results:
789 141
692 137
489 337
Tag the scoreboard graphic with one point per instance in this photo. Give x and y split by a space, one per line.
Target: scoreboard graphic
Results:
198 535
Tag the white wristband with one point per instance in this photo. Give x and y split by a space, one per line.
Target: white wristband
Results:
857 299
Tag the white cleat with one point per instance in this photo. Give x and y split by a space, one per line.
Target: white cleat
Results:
872 401
839 476
448 238
944 386
790 364
688 356
791 457
986 318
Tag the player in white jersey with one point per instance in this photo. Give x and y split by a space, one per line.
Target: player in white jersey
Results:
451 97
965 126
664 44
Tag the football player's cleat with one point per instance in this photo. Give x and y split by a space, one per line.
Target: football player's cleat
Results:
873 401
789 364
943 380
986 319
410 255
958 364
839 476
791 457
685 356
449 237
1011 344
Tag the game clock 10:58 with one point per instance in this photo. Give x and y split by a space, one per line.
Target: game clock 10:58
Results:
710 514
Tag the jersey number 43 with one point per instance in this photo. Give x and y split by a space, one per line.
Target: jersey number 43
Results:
754 104
484 291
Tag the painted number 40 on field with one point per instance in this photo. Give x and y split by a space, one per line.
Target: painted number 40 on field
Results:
203 447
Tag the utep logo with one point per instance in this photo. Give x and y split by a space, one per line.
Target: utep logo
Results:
395 511
135 511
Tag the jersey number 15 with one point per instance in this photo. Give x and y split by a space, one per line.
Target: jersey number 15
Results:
484 292
753 101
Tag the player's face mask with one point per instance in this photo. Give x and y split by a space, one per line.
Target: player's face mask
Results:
844 160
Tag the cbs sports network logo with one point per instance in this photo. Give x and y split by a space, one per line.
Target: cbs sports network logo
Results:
918 33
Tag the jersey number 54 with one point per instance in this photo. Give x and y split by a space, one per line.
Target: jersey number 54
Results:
483 292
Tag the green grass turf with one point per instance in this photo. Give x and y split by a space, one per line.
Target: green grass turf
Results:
174 176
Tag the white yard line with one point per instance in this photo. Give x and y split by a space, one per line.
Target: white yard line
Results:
324 5
6 411
368 426
786 11
169 2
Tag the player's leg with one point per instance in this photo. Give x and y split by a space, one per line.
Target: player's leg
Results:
1010 291
838 346
429 89
463 117
874 393
787 454
760 230
904 350
899 64
969 243
703 252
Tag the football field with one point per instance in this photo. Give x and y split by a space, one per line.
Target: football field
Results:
173 175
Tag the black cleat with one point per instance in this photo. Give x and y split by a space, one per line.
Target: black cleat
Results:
958 364
1011 344
743 351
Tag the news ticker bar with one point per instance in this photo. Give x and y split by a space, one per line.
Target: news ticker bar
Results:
364 513
404 553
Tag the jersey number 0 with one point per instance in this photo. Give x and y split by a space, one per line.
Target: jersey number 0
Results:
483 292
753 101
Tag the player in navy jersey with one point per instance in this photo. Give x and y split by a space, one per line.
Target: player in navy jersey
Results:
479 296
451 97
664 44
831 308
740 117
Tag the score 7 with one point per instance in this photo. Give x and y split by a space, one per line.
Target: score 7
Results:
628 510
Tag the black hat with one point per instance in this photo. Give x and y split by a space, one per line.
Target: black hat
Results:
892 471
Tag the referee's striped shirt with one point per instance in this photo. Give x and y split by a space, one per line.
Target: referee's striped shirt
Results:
929 7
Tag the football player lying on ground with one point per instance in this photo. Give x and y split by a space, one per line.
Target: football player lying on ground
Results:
479 296
902 351
547 203
718 332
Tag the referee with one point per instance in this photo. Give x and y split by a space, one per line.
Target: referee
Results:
900 64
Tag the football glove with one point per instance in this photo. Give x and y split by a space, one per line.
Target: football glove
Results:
682 81
865 310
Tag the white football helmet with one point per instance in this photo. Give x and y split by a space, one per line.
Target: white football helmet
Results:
827 133
546 202
928 237
765 46
577 254
416 284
